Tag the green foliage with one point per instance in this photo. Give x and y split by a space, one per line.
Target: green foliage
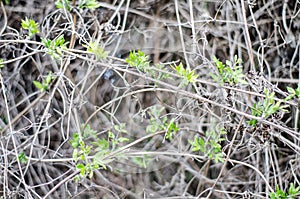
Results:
159 75
55 47
31 26
45 84
1 63
89 4
267 108
142 161
230 73
82 149
63 4
22 157
97 50
210 145
187 75
138 60
161 123
293 93
142 63
83 4
115 141
6 1
280 194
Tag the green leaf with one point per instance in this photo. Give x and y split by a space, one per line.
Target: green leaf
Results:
38 85
120 128
229 72
99 52
22 157
88 132
63 4
138 60
75 141
1 63
290 90
81 167
31 26
171 128
297 91
49 78
90 4
111 135
122 139
55 47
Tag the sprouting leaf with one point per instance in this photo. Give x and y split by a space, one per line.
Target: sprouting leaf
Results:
97 50
22 157
38 85
123 139
81 168
90 4
55 47
187 75
31 26
138 60
229 72
63 4
75 141
102 144
291 90
1 63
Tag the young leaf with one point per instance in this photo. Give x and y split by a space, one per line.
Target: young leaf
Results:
38 85
22 157
31 26
1 63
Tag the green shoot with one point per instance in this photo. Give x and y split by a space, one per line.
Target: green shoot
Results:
161 123
55 47
22 157
293 193
293 93
97 50
187 75
63 4
45 84
31 26
1 63
267 108
210 146
138 60
82 149
230 73
89 4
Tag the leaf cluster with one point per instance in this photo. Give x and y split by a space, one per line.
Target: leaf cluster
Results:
293 93
1 63
97 50
44 86
83 4
293 193
230 72
267 108
161 123
210 145
139 60
187 75
55 47
22 157
31 26
82 148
